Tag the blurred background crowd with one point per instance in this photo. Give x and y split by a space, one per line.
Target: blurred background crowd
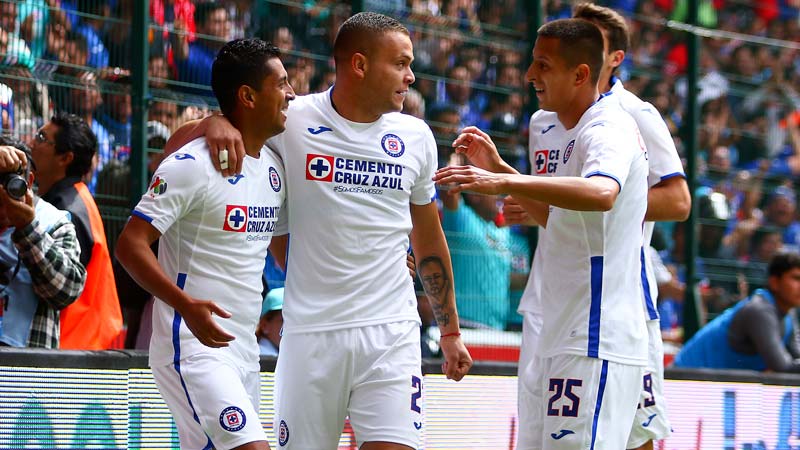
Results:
471 58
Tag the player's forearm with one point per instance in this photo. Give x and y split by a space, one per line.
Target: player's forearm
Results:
597 193
669 201
189 131
136 257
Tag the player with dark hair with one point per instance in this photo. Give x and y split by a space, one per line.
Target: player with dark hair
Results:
361 187
592 345
214 233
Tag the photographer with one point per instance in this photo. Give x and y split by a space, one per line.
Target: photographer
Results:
39 256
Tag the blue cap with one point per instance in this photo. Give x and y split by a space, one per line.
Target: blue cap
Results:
273 301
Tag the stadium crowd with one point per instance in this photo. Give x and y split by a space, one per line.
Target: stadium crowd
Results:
471 57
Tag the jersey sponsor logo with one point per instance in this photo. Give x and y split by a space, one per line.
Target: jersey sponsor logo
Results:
232 419
319 167
274 179
546 161
235 218
319 130
252 219
561 434
157 187
568 150
376 175
549 127
182 156
283 433
235 179
393 145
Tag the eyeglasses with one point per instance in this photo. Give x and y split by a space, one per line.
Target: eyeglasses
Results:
41 137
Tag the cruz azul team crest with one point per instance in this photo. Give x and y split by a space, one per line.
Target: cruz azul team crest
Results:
274 179
393 145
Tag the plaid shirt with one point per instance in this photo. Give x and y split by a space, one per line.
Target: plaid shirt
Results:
53 260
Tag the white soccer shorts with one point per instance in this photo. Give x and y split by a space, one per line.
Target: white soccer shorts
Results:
588 402
529 386
214 402
652 422
370 373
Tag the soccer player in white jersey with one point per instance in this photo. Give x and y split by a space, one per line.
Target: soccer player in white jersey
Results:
667 200
359 176
593 343
214 233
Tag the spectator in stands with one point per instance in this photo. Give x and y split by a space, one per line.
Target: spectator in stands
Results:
271 323
116 113
13 49
31 101
758 333
90 27
459 93
165 112
85 102
480 248
62 152
39 256
781 211
414 104
194 59
444 120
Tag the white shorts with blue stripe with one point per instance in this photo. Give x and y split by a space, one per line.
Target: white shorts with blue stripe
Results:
588 403
214 402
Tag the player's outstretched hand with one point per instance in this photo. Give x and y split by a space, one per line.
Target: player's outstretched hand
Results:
221 135
479 148
515 214
412 266
457 361
197 315
463 178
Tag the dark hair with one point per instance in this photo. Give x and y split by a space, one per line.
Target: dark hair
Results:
240 62
580 42
782 263
431 260
16 143
607 19
74 135
203 10
359 31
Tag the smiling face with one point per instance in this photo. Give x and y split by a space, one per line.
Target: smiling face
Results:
274 95
550 75
388 71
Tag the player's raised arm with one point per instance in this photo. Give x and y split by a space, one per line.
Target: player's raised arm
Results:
430 247
133 251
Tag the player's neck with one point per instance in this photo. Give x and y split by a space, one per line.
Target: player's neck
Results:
253 134
350 106
605 85
583 100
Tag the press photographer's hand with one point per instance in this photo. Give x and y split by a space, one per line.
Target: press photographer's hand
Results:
18 212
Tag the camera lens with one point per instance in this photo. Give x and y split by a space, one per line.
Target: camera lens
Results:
16 187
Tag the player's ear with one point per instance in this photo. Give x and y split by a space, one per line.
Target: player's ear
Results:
359 63
617 57
246 96
582 74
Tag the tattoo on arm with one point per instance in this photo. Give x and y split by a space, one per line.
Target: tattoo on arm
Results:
438 287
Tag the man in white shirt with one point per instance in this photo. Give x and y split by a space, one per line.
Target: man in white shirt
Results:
214 233
667 200
360 176
592 344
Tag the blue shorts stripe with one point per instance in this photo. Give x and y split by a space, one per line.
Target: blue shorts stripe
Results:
594 307
652 312
600 391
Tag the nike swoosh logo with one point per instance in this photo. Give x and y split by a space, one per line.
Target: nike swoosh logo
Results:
649 419
548 129
561 434
319 130
418 425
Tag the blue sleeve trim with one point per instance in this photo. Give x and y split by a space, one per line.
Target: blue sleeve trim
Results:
142 216
673 175
604 174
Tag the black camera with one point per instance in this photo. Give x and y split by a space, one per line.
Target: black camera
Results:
15 184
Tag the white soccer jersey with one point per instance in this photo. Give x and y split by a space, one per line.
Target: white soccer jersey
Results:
591 288
350 186
544 141
215 234
664 163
